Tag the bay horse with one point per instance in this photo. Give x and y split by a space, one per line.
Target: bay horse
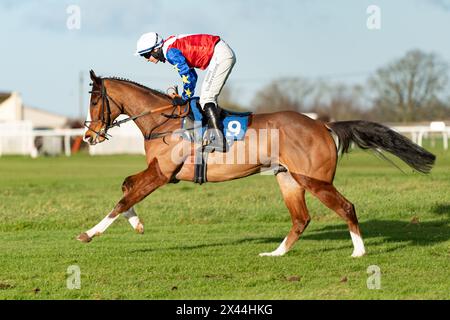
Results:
307 149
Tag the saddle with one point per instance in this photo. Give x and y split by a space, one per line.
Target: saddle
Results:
194 129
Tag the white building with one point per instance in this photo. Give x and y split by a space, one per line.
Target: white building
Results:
13 109
18 124
44 119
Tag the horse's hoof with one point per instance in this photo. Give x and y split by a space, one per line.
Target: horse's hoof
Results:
358 254
140 228
84 238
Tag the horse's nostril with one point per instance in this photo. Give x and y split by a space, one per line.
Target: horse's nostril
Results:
87 137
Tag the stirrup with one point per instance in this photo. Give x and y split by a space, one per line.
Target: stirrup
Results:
215 144
211 148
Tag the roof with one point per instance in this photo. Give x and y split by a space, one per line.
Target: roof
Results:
4 96
49 113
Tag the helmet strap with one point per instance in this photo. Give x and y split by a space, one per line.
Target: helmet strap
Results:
158 54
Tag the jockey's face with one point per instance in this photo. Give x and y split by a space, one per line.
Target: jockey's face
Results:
153 59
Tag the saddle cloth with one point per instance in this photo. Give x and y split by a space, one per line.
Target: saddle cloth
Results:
194 126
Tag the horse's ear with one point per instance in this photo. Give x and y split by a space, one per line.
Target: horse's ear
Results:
94 78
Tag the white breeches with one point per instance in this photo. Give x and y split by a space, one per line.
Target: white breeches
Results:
219 69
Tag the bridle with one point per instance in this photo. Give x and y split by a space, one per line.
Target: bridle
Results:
105 116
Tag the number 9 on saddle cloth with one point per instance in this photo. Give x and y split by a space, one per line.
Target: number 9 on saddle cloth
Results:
234 124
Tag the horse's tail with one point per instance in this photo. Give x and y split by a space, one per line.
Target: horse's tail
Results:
370 135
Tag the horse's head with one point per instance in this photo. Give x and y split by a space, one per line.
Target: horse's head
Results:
103 111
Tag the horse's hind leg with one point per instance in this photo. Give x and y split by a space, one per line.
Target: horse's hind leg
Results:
329 196
294 198
135 189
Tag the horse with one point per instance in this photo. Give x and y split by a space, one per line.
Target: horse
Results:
307 150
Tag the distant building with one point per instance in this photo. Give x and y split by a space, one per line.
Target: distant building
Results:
43 119
13 109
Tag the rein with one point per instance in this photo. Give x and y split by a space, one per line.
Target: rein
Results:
106 116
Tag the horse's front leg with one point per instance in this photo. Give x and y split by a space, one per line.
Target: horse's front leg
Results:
134 220
135 189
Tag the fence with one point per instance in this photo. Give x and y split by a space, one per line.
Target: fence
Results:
417 133
19 138
126 139
16 138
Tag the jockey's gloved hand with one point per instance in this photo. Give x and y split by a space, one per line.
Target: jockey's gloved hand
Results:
178 101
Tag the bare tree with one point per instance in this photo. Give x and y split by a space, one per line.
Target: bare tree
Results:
338 101
283 94
406 88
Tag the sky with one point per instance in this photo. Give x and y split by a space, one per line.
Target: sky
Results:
42 58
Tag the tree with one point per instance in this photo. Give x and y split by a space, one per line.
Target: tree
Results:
408 88
283 94
338 101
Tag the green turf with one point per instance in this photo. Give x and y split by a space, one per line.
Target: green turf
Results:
202 242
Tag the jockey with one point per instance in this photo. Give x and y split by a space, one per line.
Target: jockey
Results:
185 53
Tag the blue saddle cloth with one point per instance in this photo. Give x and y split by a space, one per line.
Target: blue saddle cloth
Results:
235 124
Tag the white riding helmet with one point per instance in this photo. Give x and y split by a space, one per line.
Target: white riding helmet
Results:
147 42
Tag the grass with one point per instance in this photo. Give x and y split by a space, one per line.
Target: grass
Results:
208 249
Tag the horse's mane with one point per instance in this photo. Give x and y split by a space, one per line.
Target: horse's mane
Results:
154 91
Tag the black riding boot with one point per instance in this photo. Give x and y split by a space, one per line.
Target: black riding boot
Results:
217 140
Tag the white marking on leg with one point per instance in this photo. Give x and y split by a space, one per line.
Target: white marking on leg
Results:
358 245
133 219
281 250
102 226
